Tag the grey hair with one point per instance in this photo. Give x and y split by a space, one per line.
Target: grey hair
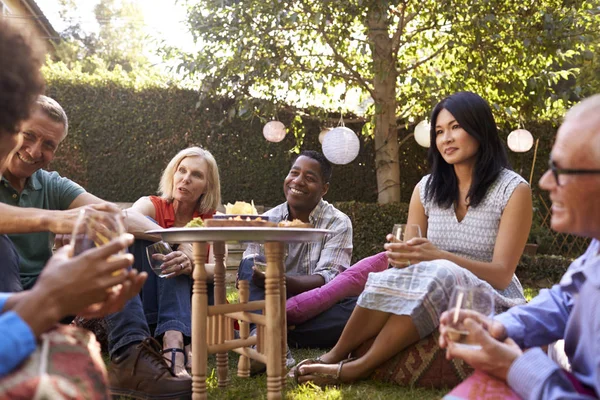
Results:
210 200
53 110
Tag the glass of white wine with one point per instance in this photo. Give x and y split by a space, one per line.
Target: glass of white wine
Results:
95 228
463 300
405 232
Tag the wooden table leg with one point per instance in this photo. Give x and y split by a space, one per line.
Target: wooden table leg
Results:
220 298
199 320
283 323
274 275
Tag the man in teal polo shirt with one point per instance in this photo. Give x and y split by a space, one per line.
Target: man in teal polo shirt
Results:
39 194
35 205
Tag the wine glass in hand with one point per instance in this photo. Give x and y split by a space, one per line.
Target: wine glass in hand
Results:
403 233
156 253
463 302
95 228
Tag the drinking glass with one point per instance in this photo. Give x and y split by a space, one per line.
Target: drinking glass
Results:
156 253
95 228
405 232
465 299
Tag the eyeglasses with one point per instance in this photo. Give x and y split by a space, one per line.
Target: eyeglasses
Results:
566 171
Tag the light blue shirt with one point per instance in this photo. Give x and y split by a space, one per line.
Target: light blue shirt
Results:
569 310
17 341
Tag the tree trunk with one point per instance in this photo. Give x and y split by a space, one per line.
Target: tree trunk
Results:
386 134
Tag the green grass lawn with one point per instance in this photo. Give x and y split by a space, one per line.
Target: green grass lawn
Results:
256 387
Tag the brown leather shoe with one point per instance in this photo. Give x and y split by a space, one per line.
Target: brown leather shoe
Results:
141 372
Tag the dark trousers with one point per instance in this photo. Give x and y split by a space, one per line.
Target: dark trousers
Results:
10 281
322 331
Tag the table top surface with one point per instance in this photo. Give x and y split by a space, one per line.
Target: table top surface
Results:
242 234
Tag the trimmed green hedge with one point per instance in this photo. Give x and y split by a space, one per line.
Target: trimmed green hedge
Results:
371 222
121 138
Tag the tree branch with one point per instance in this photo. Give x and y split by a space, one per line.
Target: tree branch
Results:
342 60
422 61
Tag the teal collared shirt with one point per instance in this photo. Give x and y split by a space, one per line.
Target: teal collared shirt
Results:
48 191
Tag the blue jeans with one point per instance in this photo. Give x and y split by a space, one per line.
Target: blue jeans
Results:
10 281
163 302
166 301
322 331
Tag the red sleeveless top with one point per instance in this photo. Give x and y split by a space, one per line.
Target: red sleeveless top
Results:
164 213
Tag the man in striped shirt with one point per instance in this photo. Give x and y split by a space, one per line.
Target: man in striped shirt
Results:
309 265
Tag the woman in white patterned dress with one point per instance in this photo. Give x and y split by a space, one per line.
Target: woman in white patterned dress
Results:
476 215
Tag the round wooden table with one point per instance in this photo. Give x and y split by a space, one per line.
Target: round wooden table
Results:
212 326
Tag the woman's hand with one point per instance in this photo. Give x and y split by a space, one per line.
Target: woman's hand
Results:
403 254
176 263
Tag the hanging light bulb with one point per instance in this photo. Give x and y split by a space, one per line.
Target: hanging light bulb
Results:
341 145
422 135
520 140
274 131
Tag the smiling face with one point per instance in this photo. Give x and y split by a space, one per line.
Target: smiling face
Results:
190 180
303 186
453 142
575 204
41 137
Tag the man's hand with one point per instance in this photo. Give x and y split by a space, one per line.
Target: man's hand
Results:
495 357
95 276
495 328
117 297
63 222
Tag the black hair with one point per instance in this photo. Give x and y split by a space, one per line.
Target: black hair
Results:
475 116
326 167
20 78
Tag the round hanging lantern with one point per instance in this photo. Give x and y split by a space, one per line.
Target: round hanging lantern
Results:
274 131
520 141
323 133
422 135
341 145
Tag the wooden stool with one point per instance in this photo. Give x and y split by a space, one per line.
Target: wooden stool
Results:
212 326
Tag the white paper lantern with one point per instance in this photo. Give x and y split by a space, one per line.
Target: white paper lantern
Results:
520 140
422 135
341 145
323 133
274 131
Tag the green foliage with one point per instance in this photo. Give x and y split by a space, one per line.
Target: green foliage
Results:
522 56
122 137
124 129
371 222
117 46
542 270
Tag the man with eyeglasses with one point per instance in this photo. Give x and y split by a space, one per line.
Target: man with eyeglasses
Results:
570 309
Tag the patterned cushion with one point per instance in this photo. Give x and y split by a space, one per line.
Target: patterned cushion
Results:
66 365
423 364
